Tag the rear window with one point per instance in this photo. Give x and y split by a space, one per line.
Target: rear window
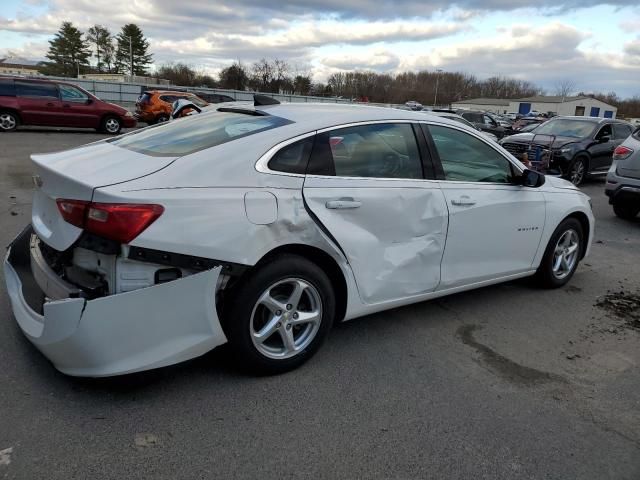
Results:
7 88
196 133
36 89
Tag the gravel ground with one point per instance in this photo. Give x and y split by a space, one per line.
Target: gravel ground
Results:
506 382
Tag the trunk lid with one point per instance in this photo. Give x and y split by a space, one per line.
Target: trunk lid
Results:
75 174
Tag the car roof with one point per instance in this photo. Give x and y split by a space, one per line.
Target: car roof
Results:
169 92
316 116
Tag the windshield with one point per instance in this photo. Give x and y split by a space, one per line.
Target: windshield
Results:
566 128
191 134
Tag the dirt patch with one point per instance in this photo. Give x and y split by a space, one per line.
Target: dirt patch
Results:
502 365
625 305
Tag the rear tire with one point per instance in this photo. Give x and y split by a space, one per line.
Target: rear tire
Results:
111 125
562 255
8 121
626 210
278 317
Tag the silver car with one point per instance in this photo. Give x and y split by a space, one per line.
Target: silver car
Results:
623 178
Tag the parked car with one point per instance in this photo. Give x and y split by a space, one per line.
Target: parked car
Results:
155 106
458 118
26 101
484 122
522 122
529 128
574 146
623 178
215 97
264 225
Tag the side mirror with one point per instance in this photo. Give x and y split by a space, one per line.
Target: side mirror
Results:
531 179
604 139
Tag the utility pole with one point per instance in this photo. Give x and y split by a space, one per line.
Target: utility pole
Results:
130 54
435 98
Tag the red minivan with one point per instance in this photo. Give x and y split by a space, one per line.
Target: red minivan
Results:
50 103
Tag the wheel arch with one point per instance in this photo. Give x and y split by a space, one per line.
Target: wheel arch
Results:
586 230
323 260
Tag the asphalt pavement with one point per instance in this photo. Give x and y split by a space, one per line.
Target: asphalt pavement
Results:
505 382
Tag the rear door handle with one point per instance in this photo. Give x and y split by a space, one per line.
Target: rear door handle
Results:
50 104
344 203
463 201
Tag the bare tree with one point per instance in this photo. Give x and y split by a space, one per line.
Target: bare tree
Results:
565 87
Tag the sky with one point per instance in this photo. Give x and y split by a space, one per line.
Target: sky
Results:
594 45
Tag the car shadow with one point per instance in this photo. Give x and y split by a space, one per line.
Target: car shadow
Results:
220 367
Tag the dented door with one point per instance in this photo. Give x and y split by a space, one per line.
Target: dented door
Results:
392 231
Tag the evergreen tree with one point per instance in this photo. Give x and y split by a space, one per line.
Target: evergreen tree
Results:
137 51
68 52
101 38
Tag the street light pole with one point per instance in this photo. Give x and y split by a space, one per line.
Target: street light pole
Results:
435 98
130 53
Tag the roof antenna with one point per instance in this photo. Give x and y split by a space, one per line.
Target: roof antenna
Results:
262 100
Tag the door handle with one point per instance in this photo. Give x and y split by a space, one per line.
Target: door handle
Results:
66 105
463 201
344 203
50 104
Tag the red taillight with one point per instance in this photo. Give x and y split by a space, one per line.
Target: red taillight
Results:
72 211
117 221
621 152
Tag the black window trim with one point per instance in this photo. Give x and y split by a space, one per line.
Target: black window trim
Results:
436 156
362 123
262 165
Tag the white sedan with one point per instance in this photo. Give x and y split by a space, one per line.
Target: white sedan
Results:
263 225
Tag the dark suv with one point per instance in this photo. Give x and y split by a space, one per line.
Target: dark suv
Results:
57 104
571 147
484 122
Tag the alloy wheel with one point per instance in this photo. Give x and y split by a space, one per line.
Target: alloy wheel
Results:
7 121
565 254
286 318
112 125
576 175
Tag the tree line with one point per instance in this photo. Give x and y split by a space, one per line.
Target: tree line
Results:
70 51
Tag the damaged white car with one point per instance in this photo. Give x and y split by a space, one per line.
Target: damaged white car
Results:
263 225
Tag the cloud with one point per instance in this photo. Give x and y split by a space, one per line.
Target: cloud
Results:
380 60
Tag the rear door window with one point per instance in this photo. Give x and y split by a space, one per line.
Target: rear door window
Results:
7 88
621 131
36 90
384 150
196 133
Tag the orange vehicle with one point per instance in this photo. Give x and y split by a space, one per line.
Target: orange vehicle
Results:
155 106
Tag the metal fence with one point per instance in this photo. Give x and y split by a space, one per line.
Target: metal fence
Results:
128 93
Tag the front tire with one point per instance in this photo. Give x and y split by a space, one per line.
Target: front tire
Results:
562 255
277 318
111 125
8 121
577 171
162 118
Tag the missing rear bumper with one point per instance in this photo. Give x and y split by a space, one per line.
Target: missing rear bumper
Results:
117 334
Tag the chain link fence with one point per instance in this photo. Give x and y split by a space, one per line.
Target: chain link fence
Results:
126 94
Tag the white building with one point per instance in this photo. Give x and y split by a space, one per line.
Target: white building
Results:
580 106
495 105
18 66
